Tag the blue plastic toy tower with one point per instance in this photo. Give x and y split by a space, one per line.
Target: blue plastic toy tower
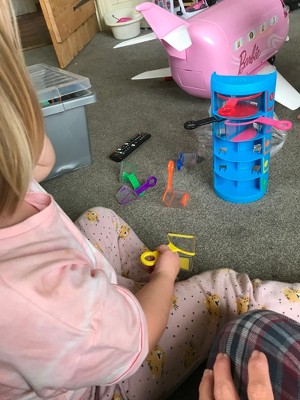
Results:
242 145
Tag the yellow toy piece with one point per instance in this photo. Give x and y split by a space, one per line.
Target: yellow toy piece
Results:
185 245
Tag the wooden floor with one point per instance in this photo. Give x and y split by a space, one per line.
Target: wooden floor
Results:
33 30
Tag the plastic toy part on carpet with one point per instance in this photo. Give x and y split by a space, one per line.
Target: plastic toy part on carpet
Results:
173 197
126 194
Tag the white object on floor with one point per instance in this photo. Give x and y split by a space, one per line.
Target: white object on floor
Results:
124 30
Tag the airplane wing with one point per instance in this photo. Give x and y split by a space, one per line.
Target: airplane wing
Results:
285 93
155 73
136 40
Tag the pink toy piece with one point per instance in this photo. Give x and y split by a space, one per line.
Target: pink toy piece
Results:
282 124
251 131
240 110
122 19
247 134
228 107
197 6
238 106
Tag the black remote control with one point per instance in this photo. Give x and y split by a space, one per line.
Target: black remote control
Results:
128 147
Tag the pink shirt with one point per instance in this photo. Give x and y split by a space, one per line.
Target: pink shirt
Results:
65 324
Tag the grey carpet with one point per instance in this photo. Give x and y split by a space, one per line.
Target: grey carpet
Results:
260 238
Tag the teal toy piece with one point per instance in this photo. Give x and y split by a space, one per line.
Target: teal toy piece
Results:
133 181
128 174
241 142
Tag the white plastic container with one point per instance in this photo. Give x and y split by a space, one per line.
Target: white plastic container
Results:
124 30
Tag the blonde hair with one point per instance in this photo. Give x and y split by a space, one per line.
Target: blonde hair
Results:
21 121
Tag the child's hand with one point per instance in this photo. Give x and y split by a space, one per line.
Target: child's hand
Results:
167 262
156 296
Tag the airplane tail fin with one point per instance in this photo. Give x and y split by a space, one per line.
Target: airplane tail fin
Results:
166 26
285 93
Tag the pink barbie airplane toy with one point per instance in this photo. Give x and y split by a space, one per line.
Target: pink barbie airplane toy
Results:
232 37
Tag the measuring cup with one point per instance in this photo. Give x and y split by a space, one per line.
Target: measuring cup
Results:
174 198
126 195
188 160
180 243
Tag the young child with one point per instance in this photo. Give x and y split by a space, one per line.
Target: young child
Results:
81 317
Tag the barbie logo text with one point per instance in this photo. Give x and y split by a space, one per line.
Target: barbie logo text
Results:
246 59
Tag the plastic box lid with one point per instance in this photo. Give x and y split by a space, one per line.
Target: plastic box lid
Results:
53 83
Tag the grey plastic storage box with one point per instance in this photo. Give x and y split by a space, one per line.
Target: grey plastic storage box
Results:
63 97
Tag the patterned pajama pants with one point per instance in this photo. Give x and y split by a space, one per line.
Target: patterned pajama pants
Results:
272 333
202 305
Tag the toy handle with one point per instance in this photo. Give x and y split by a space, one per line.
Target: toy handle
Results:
149 254
169 182
153 255
170 174
281 124
150 182
200 122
